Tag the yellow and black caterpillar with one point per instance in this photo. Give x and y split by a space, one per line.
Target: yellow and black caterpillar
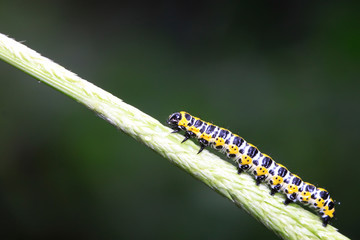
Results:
251 160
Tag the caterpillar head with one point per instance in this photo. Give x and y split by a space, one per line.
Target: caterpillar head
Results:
174 119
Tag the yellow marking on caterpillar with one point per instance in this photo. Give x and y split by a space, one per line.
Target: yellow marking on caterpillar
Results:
219 141
305 196
245 159
291 188
183 122
253 146
260 171
319 202
205 136
328 212
233 149
194 129
277 180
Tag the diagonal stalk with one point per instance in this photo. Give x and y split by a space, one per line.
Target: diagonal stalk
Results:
289 222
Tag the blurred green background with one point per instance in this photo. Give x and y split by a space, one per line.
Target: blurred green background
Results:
284 75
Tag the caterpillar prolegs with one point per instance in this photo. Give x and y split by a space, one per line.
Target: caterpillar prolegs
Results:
251 160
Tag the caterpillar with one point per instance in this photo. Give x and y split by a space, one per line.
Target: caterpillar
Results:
249 159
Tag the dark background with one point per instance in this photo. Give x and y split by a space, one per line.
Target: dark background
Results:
282 74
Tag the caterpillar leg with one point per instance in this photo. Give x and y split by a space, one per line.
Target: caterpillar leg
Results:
258 181
202 147
203 144
287 201
187 136
239 170
272 192
176 130
326 221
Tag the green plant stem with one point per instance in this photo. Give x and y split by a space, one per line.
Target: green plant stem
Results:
289 222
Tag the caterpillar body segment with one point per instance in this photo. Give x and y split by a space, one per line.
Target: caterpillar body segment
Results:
249 159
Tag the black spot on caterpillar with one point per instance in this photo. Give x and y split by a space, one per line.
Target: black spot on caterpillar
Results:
248 158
